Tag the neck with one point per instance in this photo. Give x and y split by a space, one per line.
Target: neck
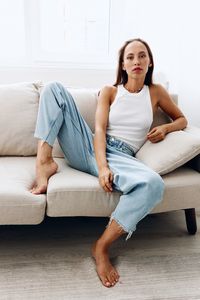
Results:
134 87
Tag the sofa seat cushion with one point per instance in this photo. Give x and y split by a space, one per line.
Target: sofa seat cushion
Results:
182 190
74 193
17 204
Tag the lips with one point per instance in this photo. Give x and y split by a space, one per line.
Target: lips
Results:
137 69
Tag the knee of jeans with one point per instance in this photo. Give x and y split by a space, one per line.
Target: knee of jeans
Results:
47 90
156 185
52 86
53 91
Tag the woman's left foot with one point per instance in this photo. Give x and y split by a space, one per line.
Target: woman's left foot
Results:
106 272
44 170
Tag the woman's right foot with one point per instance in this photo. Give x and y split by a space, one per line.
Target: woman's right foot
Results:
44 170
105 270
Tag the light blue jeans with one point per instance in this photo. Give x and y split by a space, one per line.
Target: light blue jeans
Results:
142 188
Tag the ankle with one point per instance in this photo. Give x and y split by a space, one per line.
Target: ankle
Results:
44 153
44 160
102 246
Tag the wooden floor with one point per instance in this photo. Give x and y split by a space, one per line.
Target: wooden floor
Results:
52 260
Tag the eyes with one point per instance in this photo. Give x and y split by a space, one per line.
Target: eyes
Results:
131 57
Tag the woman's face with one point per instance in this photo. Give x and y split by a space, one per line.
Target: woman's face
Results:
136 60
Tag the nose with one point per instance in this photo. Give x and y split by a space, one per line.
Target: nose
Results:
136 61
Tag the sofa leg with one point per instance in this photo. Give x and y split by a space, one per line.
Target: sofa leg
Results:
190 217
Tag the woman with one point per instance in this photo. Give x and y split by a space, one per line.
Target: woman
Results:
123 119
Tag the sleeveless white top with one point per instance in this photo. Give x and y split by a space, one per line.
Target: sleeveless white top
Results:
131 116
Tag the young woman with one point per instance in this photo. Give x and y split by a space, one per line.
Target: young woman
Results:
123 119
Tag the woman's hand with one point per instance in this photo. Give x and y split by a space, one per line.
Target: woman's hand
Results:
157 134
106 179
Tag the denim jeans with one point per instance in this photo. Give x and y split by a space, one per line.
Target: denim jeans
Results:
142 188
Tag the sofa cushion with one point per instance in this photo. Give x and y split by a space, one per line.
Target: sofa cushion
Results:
75 193
179 186
17 204
19 106
86 101
175 150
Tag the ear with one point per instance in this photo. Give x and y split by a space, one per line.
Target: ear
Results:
150 65
123 66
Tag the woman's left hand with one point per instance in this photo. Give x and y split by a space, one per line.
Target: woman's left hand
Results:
157 134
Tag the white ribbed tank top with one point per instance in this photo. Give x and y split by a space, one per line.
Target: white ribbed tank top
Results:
131 116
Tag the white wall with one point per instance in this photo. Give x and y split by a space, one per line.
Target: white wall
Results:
189 60
171 29
70 77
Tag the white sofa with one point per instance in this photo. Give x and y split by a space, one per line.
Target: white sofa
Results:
70 192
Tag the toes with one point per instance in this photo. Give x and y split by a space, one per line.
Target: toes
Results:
109 279
37 190
108 284
32 190
116 275
112 279
105 281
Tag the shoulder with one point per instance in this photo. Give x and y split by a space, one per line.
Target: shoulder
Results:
108 89
108 92
158 91
157 88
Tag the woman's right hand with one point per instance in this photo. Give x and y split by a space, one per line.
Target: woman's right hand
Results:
106 179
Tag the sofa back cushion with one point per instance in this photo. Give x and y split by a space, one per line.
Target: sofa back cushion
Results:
86 101
18 112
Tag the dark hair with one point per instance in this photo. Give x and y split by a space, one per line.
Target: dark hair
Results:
122 77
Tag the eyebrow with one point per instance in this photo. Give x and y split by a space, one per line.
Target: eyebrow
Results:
141 52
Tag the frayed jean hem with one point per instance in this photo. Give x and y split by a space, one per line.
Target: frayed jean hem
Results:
48 140
129 232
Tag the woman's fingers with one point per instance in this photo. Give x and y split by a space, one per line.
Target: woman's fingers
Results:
159 137
106 182
157 134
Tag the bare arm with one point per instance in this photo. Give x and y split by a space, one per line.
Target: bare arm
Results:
101 121
158 133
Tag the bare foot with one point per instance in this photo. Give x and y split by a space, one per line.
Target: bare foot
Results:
44 170
106 272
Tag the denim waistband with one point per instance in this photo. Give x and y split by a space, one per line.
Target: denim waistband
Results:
119 145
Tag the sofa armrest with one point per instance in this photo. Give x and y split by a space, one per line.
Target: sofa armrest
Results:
194 163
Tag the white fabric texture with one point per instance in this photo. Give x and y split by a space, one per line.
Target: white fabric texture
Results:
176 149
18 113
131 116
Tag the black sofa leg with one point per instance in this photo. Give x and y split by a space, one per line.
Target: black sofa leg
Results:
190 217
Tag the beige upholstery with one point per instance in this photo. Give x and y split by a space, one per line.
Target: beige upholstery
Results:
17 204
18 113
176 149
74 193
